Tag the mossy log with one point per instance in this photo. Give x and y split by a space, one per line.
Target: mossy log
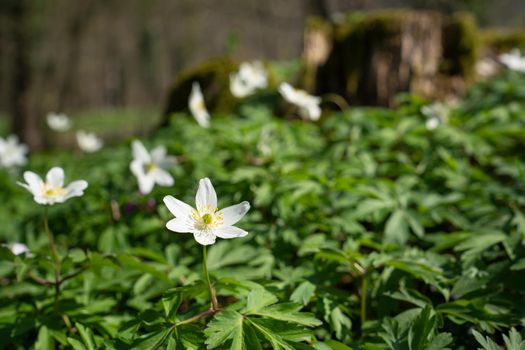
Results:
376 55
214 78
502 40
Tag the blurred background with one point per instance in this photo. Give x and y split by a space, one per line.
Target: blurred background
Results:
110 63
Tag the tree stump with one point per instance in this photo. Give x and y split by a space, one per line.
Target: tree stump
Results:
375 56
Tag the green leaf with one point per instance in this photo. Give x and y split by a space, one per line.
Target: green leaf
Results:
87 336
338 321
335 345
76 344
276 341
303 293
171 302
514 341
44 340
419 333
153 340
131 262
396 228
440 342
191 337
486 343
251 342
288 312
258 298
226 325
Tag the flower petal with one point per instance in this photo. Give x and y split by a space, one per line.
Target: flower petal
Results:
204 238
158 154
197 106
137 167
178 208
206 195
75 189
231 215
167 161
43 200
178 225
229 232
287 92
55 177
146 183
34 182
162 177
140 152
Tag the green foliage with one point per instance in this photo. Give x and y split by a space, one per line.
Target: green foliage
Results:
367 231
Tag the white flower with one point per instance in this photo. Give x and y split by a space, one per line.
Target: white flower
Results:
250 78
206 222
436 113
197 106
486 67
58 122
52 190
12 152
17 248
149 168
89 142
432 123
513 60
308 105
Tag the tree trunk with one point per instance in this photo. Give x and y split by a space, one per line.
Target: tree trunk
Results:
376 57
23 122
318 8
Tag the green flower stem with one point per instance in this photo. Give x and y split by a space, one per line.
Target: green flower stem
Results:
56 259
213 297
364 287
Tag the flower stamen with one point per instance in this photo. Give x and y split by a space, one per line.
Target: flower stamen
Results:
207 218
53 191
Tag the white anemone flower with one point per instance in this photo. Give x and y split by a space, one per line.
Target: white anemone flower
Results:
52 190
206 222
308 104
58 122
12 152
513 60
250 78
150 168
89 142
198 107
486 67
17 248
436 113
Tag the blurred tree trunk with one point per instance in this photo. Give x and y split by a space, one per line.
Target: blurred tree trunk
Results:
23 122
318 8
83 13
382 55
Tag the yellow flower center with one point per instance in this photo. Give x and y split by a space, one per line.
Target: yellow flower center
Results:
54 191
200 106
150 167
207 218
